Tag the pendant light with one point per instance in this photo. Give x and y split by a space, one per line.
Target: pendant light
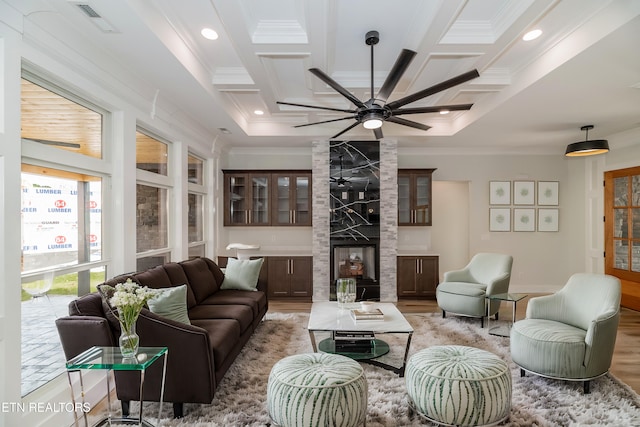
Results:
586 147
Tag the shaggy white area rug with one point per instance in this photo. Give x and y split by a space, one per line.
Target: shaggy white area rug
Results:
240 399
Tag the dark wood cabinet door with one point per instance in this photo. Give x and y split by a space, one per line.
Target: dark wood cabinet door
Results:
407 271
414 197
291 204
418 276
290 277
279 283
300 275
428 276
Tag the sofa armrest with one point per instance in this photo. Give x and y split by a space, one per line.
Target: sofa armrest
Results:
79 333
190 373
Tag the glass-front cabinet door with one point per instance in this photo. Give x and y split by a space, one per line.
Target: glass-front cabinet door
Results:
259 213
246 199
292 199
414 196
404 199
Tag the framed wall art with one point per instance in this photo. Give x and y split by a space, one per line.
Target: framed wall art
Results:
524 219
548 193
499 219
523 193
547 219
500 192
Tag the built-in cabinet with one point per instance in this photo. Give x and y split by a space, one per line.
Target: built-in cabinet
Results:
247 198
291 198
414 197
418 276
290 277
285 277
269 198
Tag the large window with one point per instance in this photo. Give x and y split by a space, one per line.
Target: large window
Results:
62 218
152 201
196 201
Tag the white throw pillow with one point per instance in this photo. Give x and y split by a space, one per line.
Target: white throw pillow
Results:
242 274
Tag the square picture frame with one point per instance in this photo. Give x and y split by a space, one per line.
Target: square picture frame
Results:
499 192
548 193
524 219
548 219
524 193
499 219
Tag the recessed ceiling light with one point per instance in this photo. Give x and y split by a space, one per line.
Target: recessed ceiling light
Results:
258 112
444 111
532 35
208 33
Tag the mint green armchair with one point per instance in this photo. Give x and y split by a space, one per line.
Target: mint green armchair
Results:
571 334
464 291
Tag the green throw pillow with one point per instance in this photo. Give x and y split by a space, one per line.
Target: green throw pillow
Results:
171 303
242 274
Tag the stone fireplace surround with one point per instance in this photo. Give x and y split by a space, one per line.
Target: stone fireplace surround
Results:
388 220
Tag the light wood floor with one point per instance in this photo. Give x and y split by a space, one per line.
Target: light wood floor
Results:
625 364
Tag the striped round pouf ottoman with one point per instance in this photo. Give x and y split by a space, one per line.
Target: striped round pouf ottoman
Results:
317 389
458 385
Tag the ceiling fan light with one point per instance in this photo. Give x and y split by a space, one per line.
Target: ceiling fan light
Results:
372 124
587 147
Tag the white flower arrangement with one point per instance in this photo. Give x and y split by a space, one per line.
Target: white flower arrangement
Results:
129 298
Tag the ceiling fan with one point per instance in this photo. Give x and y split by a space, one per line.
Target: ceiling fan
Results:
375 111
341 181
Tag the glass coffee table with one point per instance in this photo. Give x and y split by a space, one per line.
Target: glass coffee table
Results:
329 318
110 359
504 330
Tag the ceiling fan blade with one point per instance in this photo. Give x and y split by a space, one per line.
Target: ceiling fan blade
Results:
401 65
345 130
56 143
336 86
316 106
433 109
465 77
409 123
325 121
378 133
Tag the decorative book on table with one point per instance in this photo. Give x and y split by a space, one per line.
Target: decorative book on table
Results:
375 314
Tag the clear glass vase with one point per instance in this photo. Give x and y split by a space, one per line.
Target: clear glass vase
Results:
345 292
129 340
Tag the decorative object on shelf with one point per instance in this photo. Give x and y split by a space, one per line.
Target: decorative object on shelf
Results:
548 193
500 192
345 291
586 147
241 248
499 219
128 298
547 219
524 219
523 193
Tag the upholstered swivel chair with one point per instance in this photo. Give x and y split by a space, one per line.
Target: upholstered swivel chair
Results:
571 334
464 291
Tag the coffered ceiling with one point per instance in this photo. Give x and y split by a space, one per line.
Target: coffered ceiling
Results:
531 96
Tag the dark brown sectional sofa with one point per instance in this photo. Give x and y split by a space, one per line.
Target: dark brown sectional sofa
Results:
222 321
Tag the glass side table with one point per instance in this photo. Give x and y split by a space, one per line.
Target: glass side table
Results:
503 330
110 359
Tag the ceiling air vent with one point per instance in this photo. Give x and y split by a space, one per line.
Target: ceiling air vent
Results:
95 18
88 10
